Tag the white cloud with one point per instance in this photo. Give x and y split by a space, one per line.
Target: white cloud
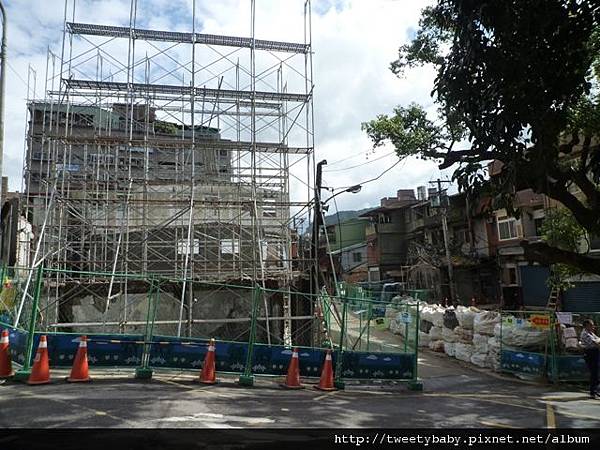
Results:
354 42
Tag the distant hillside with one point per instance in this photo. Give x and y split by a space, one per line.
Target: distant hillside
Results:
344 215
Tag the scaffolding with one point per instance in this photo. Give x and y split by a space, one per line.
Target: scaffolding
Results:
167 153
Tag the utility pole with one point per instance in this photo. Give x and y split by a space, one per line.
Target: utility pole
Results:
316 227
2 89
445 232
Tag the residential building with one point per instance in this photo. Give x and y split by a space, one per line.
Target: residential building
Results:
387 246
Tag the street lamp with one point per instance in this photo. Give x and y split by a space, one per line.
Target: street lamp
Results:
352 189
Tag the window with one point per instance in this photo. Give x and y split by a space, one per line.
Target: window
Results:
230 246
507 228
357 257
183 246
373 274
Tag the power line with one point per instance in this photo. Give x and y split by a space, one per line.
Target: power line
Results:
362 183
360 165
16 73
352 156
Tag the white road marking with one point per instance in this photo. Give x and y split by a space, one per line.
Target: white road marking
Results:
219 420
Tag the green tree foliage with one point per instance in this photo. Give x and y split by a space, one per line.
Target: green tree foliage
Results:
517 82
561 230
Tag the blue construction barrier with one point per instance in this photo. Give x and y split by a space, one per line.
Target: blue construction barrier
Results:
126 350
521 362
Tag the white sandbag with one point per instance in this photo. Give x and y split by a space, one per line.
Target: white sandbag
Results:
424 339
484 322
480 343
437 316
524 337
463 351
464 335
449 348
466 316
479 359
569 332
426 313
493 344
435 333
448 335
437 346
572 344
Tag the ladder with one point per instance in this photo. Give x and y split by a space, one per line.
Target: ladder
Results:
553 300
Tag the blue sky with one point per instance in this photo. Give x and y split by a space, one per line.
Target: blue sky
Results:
354 42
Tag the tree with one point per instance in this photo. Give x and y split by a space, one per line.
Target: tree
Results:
561 230
518 82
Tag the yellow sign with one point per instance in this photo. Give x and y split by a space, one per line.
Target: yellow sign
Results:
540 321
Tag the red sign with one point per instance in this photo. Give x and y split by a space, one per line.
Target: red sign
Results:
540 321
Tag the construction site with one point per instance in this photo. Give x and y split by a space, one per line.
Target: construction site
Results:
168 154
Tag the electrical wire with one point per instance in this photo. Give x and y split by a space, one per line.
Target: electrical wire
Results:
362 183
351 156
16 73
361 165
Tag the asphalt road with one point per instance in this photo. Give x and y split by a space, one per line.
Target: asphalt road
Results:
454 396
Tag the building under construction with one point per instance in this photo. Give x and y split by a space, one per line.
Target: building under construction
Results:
168 154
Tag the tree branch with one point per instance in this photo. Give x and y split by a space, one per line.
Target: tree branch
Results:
587 217
546 255
472 155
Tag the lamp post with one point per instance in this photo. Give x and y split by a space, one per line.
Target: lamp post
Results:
339 383
353 190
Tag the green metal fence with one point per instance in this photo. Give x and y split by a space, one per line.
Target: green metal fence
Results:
156 326
534 345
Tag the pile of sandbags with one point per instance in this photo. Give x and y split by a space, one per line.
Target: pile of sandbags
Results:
468 334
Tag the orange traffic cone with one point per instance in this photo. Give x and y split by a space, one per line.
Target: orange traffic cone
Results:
208 373
326 381
292 380
79 372
40 372
5 361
